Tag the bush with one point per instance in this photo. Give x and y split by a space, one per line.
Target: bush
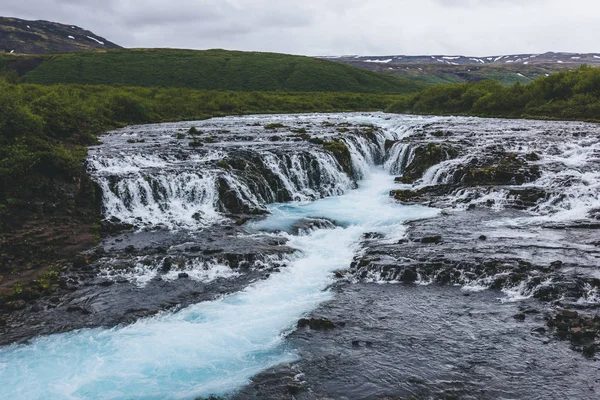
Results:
565 95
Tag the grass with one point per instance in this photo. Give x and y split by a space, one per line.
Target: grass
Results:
206 70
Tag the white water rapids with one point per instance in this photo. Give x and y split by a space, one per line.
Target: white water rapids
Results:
216 347
212 347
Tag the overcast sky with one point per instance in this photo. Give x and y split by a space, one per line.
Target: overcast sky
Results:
333 27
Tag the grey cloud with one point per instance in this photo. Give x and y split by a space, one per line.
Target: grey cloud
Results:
319 27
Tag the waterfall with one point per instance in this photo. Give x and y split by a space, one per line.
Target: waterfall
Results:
398 157
215 347
151 191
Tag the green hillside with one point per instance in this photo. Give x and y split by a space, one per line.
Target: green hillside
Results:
205 70
568 95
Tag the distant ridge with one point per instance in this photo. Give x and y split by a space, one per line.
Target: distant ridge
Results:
525 59
442 69
38 37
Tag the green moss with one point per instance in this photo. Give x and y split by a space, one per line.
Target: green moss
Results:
194 131
506 170
196 143
425 158
274 126
341 153
223 164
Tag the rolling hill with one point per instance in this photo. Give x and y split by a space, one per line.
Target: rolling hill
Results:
36 37
207 70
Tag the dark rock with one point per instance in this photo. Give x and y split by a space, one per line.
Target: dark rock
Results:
303 323
547 293
80 262
113 226
295 388
183 275
319 324
78 309
409 275
372 235
213 251
339 274
589 349
426 156
576 333
482 237
541 330
166 265
569 314
519 317
432 239
161 250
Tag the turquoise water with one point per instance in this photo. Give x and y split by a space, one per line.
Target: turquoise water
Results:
212 347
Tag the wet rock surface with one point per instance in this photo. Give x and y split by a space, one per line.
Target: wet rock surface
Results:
417 342
558 266
136 275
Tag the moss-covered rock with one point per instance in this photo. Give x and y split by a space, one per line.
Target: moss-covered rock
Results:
425 158
505 169
275 126
341 153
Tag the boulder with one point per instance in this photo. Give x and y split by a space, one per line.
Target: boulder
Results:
317 324
432 239
519 317
570 314
409 275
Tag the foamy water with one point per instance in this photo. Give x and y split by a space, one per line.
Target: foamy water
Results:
212 347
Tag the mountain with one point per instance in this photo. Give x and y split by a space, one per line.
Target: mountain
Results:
507 69
525 59
206 69
36 37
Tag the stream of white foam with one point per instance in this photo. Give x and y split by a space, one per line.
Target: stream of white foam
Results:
212 347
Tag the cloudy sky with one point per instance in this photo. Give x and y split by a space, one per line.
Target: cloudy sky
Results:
333 27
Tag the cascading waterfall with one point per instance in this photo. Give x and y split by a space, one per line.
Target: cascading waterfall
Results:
163 194
307 176
215 347
162 198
